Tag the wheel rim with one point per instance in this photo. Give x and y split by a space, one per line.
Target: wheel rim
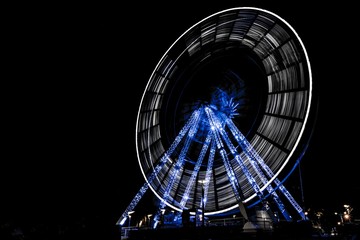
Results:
250 53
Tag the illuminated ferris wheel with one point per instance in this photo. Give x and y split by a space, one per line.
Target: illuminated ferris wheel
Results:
223 114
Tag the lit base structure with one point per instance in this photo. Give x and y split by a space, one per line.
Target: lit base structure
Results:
217 141
293 230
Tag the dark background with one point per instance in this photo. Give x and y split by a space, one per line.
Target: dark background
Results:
76 79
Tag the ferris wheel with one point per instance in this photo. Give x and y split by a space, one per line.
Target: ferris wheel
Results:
223 114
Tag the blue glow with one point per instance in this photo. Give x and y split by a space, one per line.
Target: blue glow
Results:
181 160
231 175
196 170
122 221
225 103
209 171
255 158
217 120
164 159
232 148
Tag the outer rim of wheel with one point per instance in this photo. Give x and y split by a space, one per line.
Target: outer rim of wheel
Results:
308 78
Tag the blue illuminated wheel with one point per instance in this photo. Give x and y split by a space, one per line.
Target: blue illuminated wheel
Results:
245 72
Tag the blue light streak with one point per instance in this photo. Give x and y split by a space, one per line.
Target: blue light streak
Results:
181 160
196 169
153 175
255 159
218 121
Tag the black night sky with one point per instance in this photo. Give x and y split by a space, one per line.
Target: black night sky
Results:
70 153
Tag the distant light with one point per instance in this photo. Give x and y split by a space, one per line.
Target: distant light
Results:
155 224
122 221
